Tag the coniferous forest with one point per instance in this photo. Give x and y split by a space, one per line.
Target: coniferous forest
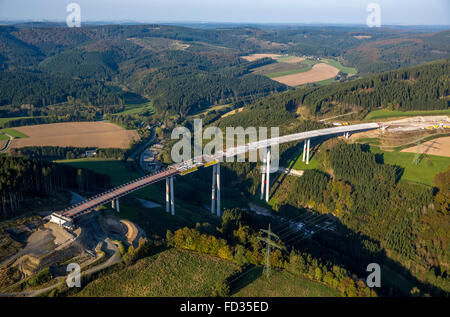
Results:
21 178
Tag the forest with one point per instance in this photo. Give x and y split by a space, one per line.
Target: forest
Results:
368 198
39 90
424 87
183 70
52 153
22 178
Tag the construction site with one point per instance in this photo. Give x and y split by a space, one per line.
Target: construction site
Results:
426 135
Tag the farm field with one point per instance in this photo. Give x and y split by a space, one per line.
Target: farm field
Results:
440 147
285 65
12 132
423 173
285 284
255 57
78 134
319 72
281 69
295 71
173 273
338 65
384 114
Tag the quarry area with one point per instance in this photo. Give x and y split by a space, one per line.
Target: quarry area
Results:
36 245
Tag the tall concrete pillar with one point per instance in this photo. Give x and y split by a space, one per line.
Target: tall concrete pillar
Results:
304 151
117 205
213 190
219 210
167 195
263 174
267 175
307 151
172 201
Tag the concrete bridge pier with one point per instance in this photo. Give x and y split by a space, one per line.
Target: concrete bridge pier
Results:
263 175
268 175
213 190
304 150
308 147
117 205
167 196
219 210
172 200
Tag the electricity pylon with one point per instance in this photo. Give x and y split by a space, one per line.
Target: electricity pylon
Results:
269 243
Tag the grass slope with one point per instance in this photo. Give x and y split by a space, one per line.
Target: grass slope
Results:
383 114
285 284
14 133
338 65
136 108
422 173
175 273
118 171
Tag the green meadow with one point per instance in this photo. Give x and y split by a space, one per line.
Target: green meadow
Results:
118 171
14 133
338 65
171 273
383 114
423 173
282 284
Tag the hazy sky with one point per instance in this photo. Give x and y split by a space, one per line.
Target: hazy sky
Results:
406 12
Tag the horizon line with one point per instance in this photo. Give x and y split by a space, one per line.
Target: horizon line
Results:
13 21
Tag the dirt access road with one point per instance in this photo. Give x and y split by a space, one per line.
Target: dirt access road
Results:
7 144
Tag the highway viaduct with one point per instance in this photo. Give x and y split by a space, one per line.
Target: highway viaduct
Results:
66 216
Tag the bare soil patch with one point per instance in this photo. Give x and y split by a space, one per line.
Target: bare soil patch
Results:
318 72
232 112
439 147
254 57
77 134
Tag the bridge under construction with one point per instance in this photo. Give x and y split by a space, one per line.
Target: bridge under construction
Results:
65 217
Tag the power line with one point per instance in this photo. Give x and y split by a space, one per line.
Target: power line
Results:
311 224
269 244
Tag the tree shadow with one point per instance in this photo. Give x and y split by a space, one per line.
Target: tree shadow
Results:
241 279
339 245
